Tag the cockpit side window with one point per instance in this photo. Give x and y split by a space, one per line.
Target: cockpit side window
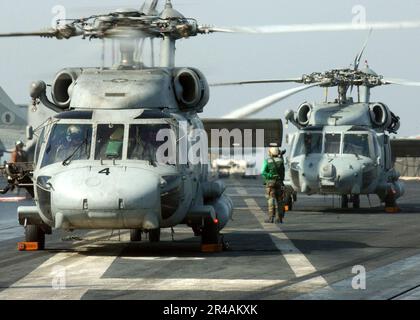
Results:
332 143
109 142
145 143
357 144
68 141
38 146
308 143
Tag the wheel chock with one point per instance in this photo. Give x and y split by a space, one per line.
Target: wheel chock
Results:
211 248
392 209
28 246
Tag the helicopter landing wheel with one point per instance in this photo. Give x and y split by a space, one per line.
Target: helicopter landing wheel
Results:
34 233
135 235
356 201
154 235
344 201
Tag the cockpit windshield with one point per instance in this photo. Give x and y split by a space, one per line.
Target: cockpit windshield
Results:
109 142
309 143
332 143
68 141
357 144
153 143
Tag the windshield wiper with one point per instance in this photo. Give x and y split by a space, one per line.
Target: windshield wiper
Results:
67 161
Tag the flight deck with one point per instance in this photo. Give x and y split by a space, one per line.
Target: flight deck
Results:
315 254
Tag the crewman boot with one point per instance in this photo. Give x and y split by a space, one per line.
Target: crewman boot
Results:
280 213
270 219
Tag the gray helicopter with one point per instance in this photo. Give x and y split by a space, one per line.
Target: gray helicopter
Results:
96 163
342 147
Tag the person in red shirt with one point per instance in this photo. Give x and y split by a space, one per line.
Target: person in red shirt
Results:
19 155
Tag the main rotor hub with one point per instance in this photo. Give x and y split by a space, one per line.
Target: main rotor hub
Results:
128 12
344 78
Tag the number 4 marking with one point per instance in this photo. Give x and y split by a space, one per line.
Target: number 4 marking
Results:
105 171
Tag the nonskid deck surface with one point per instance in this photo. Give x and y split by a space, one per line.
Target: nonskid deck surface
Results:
312 256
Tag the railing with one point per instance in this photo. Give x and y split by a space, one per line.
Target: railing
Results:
408 167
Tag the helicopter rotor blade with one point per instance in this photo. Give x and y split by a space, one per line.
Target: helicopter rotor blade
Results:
401 82
225 84
273 29
48 34
266 102
61 32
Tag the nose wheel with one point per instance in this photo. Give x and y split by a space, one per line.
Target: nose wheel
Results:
355 199
344 201
34 233
154 235
135 235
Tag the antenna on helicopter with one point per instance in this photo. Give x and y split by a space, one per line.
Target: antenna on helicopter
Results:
356 68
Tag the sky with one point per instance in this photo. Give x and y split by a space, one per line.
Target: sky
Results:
227 57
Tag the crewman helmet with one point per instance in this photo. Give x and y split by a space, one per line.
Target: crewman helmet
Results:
74 133
274 151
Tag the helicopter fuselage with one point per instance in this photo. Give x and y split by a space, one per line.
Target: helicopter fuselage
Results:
337 150
126 153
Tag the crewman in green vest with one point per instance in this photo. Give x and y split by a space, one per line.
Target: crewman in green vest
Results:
273 174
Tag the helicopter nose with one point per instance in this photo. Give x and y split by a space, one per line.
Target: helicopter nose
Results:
335 176
350 182
351 179
328 176
110 198
328 171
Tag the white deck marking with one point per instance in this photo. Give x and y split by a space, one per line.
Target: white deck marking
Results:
80 272
84 271
241 191
297 261
187 284
163 258
412 295
381 283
